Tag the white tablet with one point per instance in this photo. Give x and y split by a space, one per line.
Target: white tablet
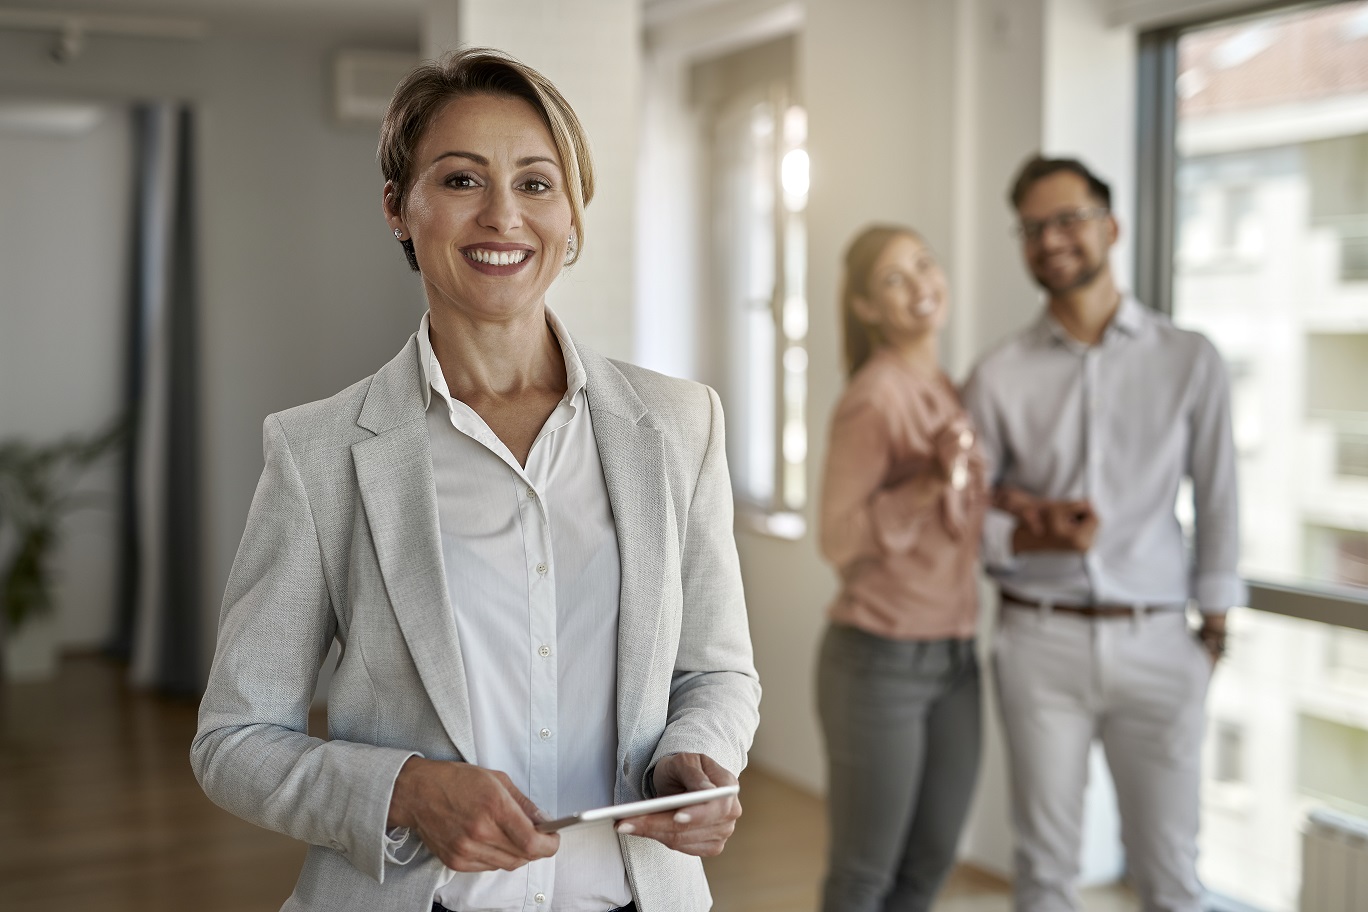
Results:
637 808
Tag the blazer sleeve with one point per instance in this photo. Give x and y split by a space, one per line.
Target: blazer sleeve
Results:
714 692
252 754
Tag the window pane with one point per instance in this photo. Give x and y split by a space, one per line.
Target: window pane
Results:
1271 263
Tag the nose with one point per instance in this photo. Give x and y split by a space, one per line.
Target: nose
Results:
1052 234
500 211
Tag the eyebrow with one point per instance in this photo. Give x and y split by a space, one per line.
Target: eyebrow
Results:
484 162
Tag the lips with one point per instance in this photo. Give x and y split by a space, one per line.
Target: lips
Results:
1057 263
497 259
924 307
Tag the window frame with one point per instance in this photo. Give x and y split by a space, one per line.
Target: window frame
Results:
1156 166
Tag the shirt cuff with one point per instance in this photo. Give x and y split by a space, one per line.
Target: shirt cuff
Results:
1218 592
999 527
399 847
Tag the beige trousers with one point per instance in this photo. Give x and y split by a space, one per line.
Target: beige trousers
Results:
1138 684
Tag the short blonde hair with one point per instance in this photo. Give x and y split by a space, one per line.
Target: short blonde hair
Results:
482 71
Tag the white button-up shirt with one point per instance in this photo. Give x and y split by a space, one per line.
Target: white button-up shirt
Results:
1121 424
532 569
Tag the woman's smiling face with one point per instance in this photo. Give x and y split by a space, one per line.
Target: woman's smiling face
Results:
488 210
907 294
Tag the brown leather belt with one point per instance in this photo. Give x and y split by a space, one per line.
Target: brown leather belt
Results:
1088 611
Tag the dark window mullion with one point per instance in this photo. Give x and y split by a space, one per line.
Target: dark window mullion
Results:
1156 154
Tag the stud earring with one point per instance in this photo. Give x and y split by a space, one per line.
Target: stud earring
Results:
398 234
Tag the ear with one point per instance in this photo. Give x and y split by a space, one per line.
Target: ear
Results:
865 311
393 217
1113 229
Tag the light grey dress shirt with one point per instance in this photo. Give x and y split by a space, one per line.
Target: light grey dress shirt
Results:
1121 424
531 562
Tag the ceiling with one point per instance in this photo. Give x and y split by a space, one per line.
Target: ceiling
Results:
386 20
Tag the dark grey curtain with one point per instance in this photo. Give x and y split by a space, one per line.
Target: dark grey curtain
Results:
158 631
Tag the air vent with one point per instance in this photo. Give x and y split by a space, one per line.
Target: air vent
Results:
363 82
48 118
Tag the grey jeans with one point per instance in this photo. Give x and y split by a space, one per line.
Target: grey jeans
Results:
902 726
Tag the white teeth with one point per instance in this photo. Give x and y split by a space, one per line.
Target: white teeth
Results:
925 306
495 257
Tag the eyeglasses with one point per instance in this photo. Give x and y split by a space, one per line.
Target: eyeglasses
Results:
1033 230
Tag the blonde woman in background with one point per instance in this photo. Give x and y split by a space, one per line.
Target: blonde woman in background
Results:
903 501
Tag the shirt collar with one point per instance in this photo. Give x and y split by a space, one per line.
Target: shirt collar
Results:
433 379
1128 320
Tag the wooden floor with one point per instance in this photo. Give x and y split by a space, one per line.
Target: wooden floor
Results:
99 809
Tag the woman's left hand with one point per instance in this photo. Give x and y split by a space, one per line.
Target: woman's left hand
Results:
700 829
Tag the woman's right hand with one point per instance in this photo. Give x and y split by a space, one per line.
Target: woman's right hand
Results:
471 818
1028 509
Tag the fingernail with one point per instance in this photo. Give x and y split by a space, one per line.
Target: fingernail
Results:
626 829
682 817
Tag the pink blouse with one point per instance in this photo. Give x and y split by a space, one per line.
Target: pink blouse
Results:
907 563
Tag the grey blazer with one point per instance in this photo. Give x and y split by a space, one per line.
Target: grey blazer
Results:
342 542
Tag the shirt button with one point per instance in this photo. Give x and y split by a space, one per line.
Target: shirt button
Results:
541 568
545 734
531 494
540 898
544 651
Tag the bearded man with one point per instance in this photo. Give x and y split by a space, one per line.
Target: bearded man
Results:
1091 420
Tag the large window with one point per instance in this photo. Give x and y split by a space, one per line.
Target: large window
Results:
757 250
1254 230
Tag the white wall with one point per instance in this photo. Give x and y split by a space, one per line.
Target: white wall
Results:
591 50
303 289
1089 105
64 208
670 240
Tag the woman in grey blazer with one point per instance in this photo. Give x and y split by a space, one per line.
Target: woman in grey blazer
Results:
523 548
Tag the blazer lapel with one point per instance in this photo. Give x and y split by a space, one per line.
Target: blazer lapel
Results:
394 475
633 456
